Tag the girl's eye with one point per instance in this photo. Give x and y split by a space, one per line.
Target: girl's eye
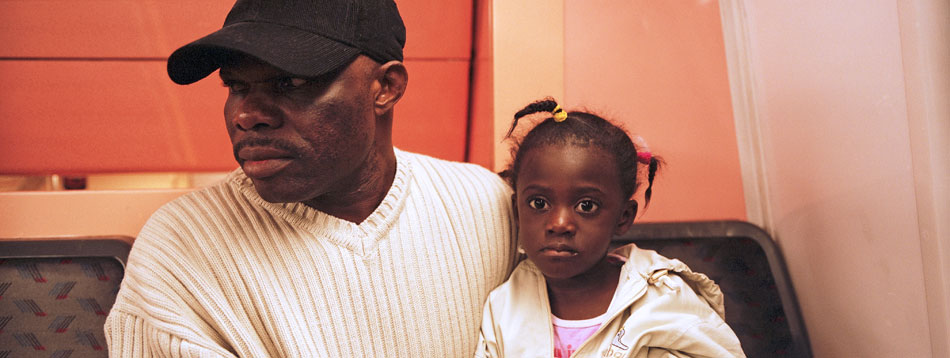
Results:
235 87
586 206
289 83
537 204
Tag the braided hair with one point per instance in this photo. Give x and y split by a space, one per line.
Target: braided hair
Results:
585 129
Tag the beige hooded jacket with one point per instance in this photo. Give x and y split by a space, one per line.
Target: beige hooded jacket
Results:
660 309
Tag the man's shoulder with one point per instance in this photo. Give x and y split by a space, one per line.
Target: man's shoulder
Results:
207 200
431 166
427 160
205 218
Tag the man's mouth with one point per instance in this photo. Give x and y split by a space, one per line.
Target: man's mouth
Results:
263 162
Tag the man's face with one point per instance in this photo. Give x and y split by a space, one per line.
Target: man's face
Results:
299 139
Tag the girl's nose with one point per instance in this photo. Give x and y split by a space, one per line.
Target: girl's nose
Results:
561 222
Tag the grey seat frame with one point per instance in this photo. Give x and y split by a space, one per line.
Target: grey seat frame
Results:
116 247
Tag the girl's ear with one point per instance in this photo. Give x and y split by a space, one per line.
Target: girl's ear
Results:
626 217
393 78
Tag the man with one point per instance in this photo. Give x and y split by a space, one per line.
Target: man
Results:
327 242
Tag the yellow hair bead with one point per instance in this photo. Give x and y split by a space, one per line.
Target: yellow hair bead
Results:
559 114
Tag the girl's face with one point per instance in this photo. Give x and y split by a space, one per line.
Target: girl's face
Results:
569 204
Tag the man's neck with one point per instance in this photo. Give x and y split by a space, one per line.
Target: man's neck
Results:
371 183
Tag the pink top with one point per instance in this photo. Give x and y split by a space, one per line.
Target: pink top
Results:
570 334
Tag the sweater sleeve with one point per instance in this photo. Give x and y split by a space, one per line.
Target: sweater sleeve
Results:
156 313
130 336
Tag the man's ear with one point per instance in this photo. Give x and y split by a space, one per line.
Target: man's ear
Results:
393 78
626 217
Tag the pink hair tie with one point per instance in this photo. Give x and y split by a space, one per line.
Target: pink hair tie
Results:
644 157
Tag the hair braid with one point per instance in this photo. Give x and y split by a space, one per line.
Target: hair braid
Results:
651 173
545 105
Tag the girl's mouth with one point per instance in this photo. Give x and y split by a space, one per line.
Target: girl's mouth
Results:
560 251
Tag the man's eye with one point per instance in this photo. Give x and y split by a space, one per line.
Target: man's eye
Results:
586 206
235 87
289 83
537 204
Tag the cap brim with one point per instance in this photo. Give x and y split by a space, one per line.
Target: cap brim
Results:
292 50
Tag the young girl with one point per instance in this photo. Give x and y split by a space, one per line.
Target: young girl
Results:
574 176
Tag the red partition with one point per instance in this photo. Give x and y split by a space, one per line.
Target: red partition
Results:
85 89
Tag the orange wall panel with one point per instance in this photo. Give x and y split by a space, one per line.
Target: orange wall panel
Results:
154 28
108 116
437 29
104 28
431 117
86 90
660 68
126 116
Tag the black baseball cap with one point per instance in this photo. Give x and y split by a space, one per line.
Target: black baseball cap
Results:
306 38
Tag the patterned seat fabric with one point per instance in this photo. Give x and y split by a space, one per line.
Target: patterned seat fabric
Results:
753 305
56 307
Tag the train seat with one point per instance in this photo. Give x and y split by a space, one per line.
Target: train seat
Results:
761 306
55 295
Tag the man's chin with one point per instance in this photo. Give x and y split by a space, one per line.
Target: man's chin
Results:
275 192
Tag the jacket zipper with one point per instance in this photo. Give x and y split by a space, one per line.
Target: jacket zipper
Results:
607 321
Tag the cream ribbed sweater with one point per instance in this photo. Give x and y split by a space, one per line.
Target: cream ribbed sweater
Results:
221 272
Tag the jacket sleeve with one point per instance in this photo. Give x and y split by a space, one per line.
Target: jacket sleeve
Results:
665 353
489 344
704 333
704 340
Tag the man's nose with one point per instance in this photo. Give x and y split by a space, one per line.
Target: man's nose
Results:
561 222
256 112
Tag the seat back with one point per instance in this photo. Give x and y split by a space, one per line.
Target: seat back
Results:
760 302
55 295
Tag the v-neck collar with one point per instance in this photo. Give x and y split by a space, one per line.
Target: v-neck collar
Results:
362 238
